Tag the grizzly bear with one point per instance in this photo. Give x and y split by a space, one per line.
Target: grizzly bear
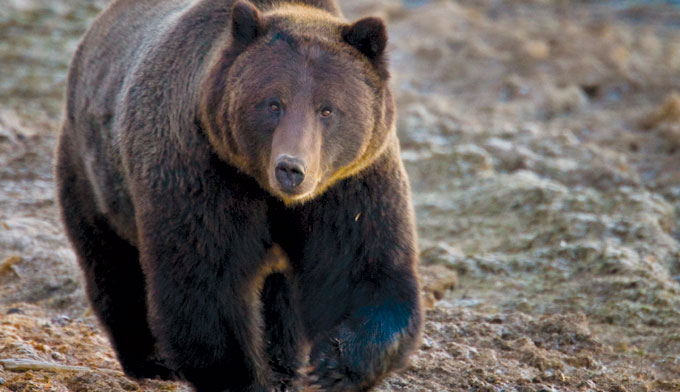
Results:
229 176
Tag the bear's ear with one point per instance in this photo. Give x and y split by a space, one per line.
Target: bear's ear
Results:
368 35
245 22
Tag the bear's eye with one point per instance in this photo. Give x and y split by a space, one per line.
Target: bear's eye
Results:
274 107
326 112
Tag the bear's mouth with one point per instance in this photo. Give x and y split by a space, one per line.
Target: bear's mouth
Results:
293 197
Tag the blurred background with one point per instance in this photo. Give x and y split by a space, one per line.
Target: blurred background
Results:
542 140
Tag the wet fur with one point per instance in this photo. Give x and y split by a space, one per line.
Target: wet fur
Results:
194 269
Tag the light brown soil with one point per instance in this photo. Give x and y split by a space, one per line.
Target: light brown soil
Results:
543 143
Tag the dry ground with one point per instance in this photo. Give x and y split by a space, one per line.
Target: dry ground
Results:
543 143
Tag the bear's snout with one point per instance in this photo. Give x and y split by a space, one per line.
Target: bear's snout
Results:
289 172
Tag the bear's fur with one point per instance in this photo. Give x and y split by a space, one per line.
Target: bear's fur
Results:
207 260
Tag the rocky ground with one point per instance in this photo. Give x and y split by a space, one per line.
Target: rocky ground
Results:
542 138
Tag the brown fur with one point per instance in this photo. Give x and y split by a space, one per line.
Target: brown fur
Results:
196 260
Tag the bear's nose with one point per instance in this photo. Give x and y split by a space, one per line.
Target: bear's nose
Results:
290 172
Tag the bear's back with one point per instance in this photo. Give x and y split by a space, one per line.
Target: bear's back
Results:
129 41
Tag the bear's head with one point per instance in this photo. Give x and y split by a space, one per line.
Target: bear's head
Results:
298 98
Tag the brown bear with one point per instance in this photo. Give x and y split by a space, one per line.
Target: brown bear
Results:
229 176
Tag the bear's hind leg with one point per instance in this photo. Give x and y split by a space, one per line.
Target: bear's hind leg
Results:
113 276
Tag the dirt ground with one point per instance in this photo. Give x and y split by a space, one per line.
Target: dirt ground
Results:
542 139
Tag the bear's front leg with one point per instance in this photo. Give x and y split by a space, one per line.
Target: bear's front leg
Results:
202 246
360 265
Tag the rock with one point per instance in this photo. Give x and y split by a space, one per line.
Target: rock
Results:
441 254
537 49
23 365
564 100
7 265
437 280
667 112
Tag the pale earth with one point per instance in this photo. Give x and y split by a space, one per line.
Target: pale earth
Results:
542 139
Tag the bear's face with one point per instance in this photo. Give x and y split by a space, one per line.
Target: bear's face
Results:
305 110
303 114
